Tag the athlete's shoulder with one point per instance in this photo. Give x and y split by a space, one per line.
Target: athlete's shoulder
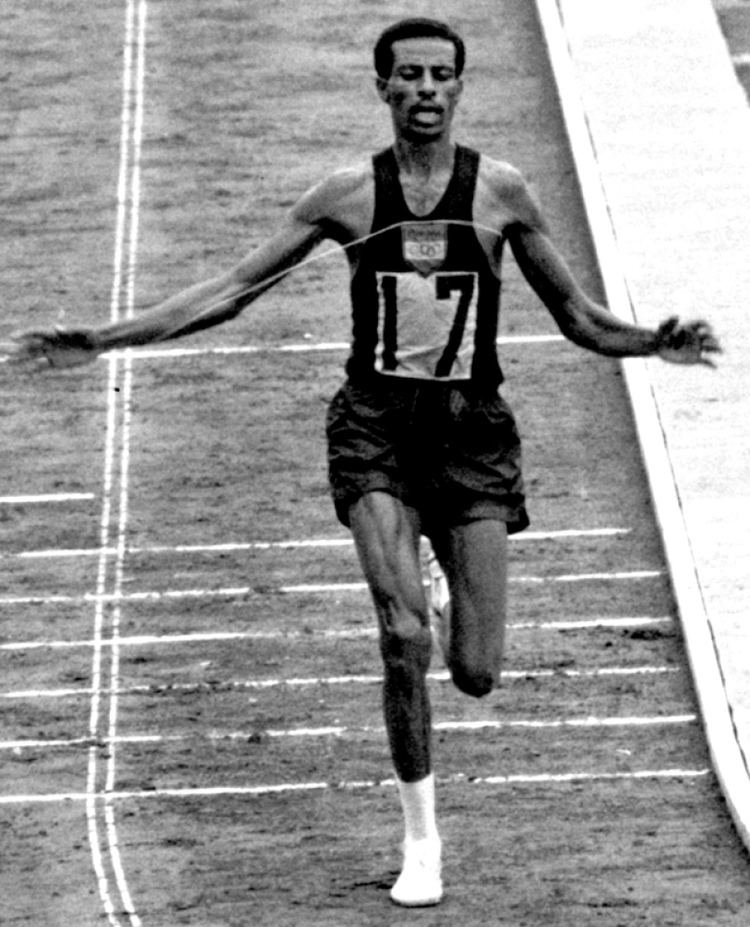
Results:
348 180
340 205
501 177
339 190
507 187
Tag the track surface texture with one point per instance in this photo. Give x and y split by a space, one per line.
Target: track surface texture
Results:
163 652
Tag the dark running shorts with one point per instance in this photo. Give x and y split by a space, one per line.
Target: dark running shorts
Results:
449 452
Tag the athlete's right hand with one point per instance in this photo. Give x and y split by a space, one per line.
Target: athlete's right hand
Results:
60 347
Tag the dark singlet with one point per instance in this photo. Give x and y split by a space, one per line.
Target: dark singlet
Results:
425 302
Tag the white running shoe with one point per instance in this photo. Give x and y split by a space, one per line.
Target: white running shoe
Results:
440 605
420 884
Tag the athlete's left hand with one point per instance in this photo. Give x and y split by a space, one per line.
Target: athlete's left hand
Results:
688 343
59 347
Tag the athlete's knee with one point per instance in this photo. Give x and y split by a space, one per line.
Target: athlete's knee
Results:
476 678
406 642
474 684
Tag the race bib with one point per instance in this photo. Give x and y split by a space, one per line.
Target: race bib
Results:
426 325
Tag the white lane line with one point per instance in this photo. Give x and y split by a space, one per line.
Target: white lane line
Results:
552 778
532 580
340 730
487 724
583 624
62 553
589 577
657 721
97 854
305 348
312 543
144 640
51 743
118 416
136 108
47 497
95 708
220 791
295 589
353 680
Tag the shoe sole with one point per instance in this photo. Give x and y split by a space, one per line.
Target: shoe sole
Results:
425 903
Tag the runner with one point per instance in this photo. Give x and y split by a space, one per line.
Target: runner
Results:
420 441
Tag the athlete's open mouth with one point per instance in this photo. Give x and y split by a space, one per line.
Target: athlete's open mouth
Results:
427 114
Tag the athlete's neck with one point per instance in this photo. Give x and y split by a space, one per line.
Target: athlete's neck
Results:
424 160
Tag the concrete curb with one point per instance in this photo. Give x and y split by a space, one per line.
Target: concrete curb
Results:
698 613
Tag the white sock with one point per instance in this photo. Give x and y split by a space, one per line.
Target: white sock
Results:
418 805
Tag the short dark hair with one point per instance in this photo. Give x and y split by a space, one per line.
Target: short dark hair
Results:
416 28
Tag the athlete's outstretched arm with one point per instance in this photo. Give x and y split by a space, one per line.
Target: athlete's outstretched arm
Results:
200 306
584 321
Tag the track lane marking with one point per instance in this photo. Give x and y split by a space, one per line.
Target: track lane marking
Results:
312 543
117 436
297 588
145 640
221 791
340 730
42 498
357 679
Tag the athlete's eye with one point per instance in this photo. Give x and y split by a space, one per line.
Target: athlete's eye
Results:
409 73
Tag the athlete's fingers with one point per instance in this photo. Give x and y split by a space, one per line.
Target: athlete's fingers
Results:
687 343
59 347
709 341
20 346
30 347
703 340
15 357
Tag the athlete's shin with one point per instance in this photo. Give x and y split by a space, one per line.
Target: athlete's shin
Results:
406 703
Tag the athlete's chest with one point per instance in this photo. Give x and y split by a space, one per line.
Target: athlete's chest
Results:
423 194
411 203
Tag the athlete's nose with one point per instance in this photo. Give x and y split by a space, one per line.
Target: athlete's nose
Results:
427 85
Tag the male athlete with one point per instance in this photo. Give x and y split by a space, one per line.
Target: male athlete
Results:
420 442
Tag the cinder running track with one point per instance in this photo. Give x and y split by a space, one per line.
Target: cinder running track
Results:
191 729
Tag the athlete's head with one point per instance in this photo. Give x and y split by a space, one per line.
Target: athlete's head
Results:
415 28
419 64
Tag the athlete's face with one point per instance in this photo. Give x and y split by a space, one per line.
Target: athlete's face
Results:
423 89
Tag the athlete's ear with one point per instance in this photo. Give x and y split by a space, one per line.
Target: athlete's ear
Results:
381 85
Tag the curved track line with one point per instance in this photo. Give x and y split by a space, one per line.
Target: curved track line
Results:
115 480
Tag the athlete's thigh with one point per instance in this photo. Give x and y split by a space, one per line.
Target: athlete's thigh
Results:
474 558
386 535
